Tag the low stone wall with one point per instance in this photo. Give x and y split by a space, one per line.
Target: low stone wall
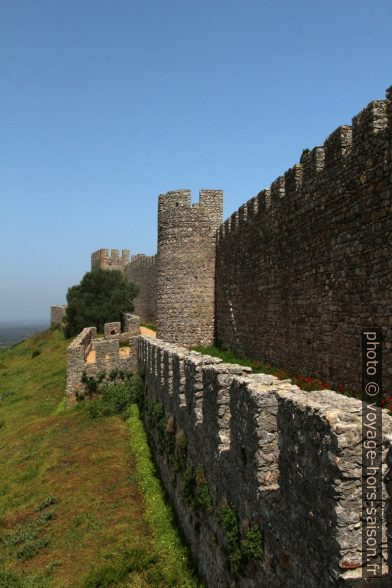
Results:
244 455
131 324
76 359
92 356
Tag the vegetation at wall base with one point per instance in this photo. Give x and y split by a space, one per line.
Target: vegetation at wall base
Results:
243 542
101 297
158 513
74 510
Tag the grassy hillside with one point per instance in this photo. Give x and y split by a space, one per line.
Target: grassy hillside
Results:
80 505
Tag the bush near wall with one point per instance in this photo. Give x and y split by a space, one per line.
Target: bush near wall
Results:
102 296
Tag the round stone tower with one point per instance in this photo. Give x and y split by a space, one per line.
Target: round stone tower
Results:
186 266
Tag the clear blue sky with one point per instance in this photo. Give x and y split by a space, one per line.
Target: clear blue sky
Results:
107 103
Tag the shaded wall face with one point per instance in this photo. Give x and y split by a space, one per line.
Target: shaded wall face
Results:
286 460
142 272
303 267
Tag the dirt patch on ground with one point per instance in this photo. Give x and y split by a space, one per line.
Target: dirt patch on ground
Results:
147 332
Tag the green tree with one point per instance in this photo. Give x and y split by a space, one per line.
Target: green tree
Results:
101 297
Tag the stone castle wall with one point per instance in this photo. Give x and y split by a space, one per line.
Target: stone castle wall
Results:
287 463
142 271
57 314
186 266
305 265
101 259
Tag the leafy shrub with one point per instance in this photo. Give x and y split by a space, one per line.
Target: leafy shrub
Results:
239 550
113 374
92 386
180 452
23 534
6 394
101 297
90 383
35 353
228 520
116 398
101 376
195 488
252 545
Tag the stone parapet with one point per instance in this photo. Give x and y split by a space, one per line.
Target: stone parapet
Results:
287 461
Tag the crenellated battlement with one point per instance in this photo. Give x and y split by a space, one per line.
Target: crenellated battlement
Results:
291 261
176 206
370 121
286 460
175 199
141 260
115 261
337 155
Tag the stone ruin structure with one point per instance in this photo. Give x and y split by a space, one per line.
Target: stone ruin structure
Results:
92 356
57 314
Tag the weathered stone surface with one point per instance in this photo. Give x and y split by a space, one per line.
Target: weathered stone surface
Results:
304 266
186 266
57 314
101 259
142 271
94 356
288 459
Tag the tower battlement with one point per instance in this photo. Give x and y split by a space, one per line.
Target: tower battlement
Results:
114 261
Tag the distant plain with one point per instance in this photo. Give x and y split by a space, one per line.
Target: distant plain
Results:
12 332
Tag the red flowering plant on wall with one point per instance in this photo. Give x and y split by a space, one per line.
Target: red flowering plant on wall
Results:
304 380
307 382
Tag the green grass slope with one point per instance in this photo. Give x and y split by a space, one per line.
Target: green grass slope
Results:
80 505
